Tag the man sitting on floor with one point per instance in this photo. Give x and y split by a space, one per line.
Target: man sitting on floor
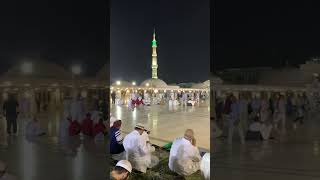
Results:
184 155
137 151
121 171
258 130
87 125
116 140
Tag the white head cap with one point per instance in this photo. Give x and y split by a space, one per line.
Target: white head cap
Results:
140 126
145 127
125 164
112 120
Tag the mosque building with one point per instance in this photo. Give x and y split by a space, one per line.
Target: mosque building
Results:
268 81
155 84
48 83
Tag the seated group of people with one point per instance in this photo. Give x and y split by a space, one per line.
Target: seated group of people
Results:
137 102
88 127
134 151
259 130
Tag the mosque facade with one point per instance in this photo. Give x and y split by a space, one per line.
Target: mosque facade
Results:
48 84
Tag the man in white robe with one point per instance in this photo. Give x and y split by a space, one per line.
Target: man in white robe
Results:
145 136
77 109
234 121
137 151
64 127
205 166
184 155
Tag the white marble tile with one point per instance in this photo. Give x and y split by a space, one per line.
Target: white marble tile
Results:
168 124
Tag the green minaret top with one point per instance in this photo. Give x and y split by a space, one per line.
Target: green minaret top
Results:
154 41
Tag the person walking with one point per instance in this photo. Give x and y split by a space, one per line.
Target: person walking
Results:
10 112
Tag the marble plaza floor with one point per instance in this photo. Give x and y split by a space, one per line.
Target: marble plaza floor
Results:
168 123
46 158
295 155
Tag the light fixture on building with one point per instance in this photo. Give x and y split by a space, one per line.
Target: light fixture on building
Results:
27 67
147 84
133 83
118 83
76 69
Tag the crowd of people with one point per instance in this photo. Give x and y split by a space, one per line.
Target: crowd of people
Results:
135 152
260 117
77 119
135 99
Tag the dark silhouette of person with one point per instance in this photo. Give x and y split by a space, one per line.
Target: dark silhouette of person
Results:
10 109
113 97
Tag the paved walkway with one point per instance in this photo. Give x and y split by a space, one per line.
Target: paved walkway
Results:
294 155
168 123
45 158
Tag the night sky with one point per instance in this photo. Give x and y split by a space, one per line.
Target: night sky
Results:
252 33
182 28
65 32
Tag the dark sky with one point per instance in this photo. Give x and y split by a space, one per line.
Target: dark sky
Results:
182 28
252 33
65 32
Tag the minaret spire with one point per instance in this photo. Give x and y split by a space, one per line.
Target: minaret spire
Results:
154 56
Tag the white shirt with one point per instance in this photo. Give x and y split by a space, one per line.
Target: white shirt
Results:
182 154
136 151
205 166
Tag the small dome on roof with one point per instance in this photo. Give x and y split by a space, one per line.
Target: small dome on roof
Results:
38 69
155 83
216 80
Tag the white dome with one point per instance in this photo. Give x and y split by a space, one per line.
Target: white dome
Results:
216 80
154 83
199 86
37 69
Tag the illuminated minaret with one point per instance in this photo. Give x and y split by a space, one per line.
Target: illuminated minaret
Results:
154 65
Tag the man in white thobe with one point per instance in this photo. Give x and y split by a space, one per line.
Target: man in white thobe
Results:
137 151
184 155
77 109
64 128
234 121
205 166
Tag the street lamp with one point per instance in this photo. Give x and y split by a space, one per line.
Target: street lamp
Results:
147 84
133 83
118 83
